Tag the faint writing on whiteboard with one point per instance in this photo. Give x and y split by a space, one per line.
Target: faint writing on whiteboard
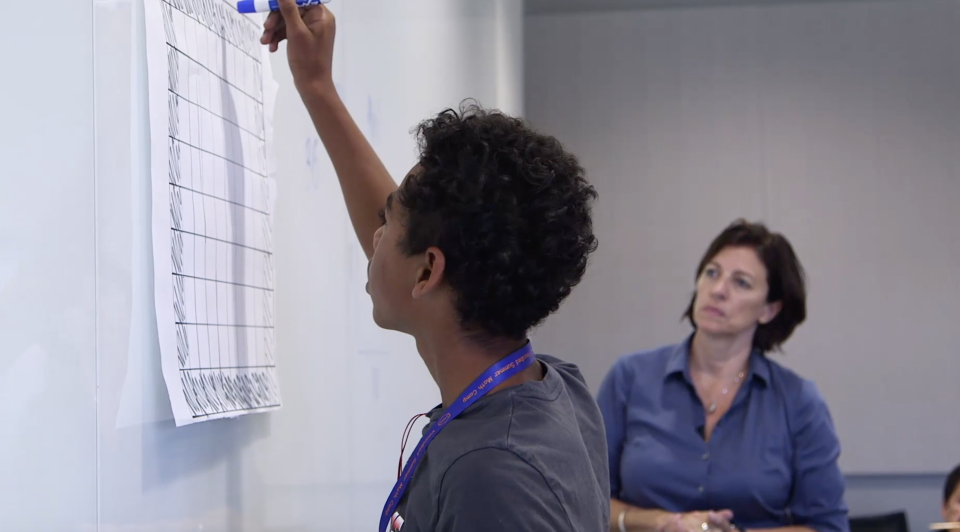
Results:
312 153
373 120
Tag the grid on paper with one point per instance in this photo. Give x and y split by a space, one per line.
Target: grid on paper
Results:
221 230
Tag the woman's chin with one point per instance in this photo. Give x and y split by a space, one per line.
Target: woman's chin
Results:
712 329
710 323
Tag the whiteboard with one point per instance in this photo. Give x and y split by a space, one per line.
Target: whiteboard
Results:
48 409
87 439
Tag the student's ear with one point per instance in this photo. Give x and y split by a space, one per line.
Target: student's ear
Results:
430 272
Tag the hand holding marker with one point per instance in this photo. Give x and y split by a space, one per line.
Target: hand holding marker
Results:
264 6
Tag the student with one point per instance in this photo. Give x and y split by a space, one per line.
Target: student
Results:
483 239
951 496
712 433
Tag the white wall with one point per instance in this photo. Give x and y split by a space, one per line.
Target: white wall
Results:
837 124
87 440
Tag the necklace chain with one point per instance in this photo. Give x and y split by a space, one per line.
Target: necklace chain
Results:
726 389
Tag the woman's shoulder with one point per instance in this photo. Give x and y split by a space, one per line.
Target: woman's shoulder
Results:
639 370
799 391
648 360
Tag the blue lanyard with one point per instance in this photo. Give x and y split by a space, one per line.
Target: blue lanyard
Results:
493 377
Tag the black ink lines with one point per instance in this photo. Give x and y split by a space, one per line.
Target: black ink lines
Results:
230 121
229 283
179 298
176 214
183 346
232 204
173 107
176 251
218 156
228 325
224 22
219 392
221 250
255 98
173 68
264 251
173 162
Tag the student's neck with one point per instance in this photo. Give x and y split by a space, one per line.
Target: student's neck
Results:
720 357
455 361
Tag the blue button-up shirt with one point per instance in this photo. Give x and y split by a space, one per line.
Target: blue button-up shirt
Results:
771 459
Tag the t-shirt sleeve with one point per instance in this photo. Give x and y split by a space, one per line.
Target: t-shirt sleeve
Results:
494 489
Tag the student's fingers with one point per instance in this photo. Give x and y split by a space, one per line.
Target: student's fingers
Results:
292 17
277 39
315 14
273 19
271 27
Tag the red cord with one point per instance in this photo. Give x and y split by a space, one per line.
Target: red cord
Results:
403 442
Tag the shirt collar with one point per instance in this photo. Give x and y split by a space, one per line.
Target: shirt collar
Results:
679 363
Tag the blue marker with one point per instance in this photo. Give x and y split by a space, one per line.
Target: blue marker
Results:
264 6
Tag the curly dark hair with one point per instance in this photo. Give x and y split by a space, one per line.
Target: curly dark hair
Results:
509 208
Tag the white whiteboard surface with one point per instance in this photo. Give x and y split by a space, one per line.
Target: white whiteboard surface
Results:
48 380
87 439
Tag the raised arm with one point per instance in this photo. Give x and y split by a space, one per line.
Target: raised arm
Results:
364 181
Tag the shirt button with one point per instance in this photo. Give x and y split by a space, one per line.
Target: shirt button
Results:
700 489
706 456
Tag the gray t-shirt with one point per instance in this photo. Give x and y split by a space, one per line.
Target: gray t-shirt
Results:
528 458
